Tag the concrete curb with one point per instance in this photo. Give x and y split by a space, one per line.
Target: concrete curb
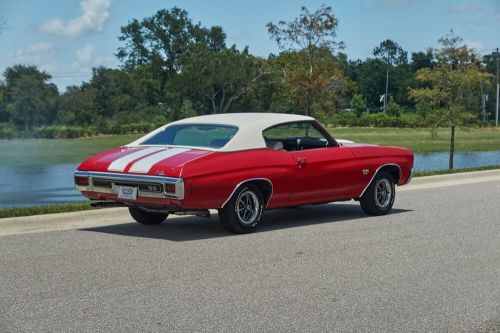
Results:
61 221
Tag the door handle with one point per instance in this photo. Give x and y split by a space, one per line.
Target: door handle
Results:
301 161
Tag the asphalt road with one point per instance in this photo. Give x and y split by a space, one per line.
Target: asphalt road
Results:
433 265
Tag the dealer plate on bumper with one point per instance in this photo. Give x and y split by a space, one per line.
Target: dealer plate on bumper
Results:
127 192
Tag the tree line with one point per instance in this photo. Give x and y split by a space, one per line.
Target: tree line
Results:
172 68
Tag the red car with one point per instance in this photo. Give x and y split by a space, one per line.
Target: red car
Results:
241 164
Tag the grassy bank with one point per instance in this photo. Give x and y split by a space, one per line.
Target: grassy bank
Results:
447 172
420 141
45 209
85 205
53 151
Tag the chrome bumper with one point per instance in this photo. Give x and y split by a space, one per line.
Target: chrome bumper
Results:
131 180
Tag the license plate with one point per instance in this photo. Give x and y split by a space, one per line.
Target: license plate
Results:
127 192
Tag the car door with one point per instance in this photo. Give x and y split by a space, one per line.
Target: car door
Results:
323 174
323 171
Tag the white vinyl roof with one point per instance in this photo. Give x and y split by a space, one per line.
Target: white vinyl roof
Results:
250 127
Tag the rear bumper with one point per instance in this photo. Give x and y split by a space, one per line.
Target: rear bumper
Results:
107 183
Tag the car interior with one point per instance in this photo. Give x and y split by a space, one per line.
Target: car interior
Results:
293 137
296 143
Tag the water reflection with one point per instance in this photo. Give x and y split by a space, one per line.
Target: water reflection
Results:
439 161
29 185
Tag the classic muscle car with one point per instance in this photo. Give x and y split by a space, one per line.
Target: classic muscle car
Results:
241 164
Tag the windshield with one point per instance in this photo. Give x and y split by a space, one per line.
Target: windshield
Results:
195 135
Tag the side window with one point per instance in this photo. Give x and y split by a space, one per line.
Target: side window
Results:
294 136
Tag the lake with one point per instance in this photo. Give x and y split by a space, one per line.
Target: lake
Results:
29 185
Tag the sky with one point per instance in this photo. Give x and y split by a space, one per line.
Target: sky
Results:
67 38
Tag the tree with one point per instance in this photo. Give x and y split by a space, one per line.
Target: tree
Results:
113 96
453 82
161 39
309 40
391 53
371 77
358 104
76 106
3 113
220 78
421 60
30 100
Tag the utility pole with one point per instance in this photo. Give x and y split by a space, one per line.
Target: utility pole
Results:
484 99
498 84
387 90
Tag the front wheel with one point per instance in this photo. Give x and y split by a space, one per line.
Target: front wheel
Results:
379 196
243 211
144 217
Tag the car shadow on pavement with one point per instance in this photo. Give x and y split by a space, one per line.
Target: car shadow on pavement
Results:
188 228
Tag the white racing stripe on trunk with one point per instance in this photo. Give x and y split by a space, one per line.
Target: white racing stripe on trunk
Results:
145 164
121 163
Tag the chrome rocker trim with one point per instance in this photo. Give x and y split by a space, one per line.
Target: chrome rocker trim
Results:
117 177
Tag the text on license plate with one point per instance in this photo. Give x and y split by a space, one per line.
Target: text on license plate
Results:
127 192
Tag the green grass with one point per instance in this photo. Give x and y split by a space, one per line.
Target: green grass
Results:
45 209
446 172
53 151
420 140
85 205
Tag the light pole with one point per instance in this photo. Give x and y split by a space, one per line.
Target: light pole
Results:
498 86
387 90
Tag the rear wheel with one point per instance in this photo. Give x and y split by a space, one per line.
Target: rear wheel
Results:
243 211
379 196
144 217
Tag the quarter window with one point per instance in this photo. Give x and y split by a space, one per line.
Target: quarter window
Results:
294 136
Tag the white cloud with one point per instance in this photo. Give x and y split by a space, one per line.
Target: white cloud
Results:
84 55
396 3
85 59
464 8
36 54
95 14
40 54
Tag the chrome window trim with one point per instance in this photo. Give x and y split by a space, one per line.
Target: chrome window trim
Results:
246 181
375 173
178 182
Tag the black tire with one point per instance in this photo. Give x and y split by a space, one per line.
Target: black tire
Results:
242 220
379 196
144 217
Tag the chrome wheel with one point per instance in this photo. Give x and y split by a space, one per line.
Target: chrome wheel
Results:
383 192
243 211
247 207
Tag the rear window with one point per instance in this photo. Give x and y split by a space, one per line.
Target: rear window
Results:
195 135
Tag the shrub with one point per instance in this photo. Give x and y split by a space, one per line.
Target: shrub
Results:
61 131
7 131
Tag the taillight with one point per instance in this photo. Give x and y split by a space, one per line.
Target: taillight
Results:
170 188
82 181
